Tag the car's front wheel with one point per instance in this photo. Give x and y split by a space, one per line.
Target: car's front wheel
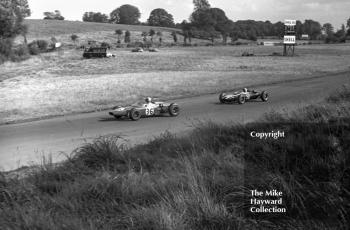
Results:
174 110
221 98
135 115
241 99
264 96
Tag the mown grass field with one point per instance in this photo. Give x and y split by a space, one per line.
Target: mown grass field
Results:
63 83
200 182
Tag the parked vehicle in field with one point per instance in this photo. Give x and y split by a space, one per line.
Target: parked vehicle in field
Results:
137 50
95 52
148 109
242 96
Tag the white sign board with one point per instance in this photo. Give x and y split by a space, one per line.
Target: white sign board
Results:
289 40
289 22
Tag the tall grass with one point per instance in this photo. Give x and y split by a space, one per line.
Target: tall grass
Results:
200 181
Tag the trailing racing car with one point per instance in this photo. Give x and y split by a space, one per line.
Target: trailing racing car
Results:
148 109
242 96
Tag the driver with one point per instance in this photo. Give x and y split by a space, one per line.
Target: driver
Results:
245 90
150 103
149 100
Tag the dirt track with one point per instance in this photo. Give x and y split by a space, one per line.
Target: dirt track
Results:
21 144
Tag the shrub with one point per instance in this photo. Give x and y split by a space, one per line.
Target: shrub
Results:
20 53
74 37
38 46
33 48
42 45
127 37
8 52
5 47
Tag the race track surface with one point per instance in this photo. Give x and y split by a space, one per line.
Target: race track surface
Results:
26 143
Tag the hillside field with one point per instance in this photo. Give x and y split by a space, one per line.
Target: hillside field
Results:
102 32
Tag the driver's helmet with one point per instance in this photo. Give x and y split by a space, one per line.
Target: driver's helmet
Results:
148 100
245 90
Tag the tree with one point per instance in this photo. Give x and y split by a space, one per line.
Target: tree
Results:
312 28
186 31
151 33
126 14
95 17
144 36
160 36
12 14
53 15
127 36
341 34
329 29
211 21
299 29
74 38
201 4
119 33
160 17
343 28
174 35
348 26
278 29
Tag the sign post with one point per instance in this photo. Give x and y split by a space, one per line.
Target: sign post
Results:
289 40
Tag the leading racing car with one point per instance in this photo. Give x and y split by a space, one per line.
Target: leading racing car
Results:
242 96
150 109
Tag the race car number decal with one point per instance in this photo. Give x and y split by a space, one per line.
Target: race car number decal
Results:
149 112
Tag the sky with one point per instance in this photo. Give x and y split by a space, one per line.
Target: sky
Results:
335 12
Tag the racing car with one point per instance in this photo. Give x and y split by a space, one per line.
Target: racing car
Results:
148 109
242 96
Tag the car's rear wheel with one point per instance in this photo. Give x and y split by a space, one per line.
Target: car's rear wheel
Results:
264 96
135 115
221 98
241 99
174 110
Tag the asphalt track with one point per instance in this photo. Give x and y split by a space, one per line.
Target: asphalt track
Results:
26 143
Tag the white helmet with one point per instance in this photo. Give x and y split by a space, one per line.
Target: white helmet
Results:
245 90
148 100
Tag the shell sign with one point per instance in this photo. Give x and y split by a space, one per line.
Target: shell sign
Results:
289 40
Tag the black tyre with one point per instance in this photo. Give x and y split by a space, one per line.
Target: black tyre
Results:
135 115
117 117
221 98
174 110
241 99
264 96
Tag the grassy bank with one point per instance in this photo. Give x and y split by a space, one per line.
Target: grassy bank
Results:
62 30
200 181
53 84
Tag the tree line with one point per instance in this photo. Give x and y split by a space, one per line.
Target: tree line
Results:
130 15
209 23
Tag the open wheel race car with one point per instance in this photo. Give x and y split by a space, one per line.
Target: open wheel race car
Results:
148 109
242 96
